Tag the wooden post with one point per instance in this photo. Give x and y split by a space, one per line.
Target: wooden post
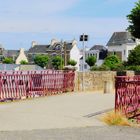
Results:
65 54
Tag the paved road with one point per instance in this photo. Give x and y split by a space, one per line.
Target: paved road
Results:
88 133
62 117
62 111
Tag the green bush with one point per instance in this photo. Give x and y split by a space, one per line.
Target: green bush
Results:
100 68
134 56
41 60
134 68
57 62
91 60
112 61
8 60
72 62
134 20
23 62
119 67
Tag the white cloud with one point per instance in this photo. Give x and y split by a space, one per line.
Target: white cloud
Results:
53 23
13 7
97 26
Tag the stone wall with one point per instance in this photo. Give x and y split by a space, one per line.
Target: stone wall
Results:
97 81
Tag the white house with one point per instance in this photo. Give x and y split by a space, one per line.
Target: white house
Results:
21 56
99 51
75 53
121 43
66 49
83 65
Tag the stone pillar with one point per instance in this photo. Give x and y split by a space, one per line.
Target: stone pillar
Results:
108 87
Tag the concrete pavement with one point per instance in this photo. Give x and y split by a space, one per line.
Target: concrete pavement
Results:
61 111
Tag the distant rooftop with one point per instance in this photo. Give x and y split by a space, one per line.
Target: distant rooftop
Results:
29 67
98 47
13 67
38 49
8 67
119 38
44 48
11 52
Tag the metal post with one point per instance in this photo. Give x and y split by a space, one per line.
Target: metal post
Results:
83 88
83 38
83 53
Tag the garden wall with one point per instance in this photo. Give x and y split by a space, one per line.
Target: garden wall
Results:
97 81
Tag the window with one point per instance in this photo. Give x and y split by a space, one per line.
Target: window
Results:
53 54
58 47
85 66
124 52
1 57
114 53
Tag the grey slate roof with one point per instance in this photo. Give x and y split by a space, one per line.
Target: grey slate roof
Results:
8 66
12 67
45 48
98 47
9 53
68 46
39 49
119 38
29 67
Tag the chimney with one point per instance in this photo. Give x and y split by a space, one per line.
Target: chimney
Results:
34 43
53 41
74 42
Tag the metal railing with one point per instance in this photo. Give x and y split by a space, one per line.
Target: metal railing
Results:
26 84
127 97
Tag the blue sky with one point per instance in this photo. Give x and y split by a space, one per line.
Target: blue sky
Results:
24 21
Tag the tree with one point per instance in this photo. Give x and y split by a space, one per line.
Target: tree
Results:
91 60
8 60
112 61
72 62
41 60
134 56
134 19
23 62
57 62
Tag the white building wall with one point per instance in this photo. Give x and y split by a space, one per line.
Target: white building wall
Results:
21 56
75 55
138 41
125 49
86 66
120 48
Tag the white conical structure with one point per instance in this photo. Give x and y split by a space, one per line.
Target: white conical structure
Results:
21 56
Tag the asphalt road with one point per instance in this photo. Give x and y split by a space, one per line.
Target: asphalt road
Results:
87 133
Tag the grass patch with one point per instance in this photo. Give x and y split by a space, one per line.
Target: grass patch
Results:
115 118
